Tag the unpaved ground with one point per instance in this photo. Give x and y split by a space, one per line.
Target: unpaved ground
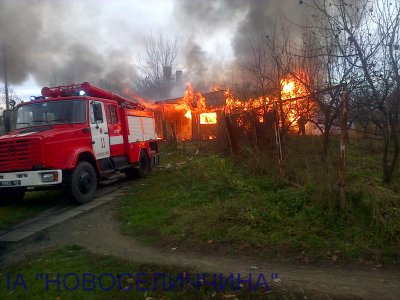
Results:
98 232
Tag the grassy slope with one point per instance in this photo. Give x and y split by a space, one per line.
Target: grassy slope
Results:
243 207
34 203
74 259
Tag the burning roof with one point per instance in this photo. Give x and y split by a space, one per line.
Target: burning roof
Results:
195 109
212 99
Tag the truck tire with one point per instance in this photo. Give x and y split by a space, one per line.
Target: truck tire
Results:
11 195
142 170
82 183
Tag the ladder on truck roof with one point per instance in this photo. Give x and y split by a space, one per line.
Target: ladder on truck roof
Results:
87 89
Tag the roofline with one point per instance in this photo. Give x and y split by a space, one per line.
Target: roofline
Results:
179 98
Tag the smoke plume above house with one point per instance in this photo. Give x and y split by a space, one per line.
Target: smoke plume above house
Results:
59 41
245 20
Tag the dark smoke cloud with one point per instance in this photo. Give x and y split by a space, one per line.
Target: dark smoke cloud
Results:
203 17
57 41
248 18
21 28
43 45
196 62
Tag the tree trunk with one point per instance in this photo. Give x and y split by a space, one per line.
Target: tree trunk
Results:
325 142
231 135
343 145
256 138
389 161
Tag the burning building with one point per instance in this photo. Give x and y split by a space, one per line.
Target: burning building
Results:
197 116
193 116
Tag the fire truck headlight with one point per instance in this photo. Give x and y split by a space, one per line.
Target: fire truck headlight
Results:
49 177
82 93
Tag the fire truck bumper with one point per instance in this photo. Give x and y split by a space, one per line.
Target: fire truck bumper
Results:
30 178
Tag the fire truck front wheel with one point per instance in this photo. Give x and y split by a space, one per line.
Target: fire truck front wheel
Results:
82 183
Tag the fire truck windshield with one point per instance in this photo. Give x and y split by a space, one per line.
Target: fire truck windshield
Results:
50 113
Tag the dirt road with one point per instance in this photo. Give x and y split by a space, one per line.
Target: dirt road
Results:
98 231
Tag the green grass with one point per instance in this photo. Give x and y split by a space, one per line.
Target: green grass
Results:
240 205
74 259
33 203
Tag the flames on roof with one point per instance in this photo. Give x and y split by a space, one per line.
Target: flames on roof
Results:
185 115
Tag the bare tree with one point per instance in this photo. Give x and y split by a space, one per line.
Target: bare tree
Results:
11 96
327 74
366 34
269 63
156 67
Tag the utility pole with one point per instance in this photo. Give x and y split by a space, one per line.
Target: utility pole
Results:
278 141
343 143
5 75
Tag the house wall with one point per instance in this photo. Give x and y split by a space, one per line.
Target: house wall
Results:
173 125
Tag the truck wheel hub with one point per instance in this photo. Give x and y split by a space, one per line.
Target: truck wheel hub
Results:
85 182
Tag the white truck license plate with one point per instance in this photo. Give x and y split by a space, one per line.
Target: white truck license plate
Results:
10 183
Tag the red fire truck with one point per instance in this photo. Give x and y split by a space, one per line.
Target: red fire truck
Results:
72 137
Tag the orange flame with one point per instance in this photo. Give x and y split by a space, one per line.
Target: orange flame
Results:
193 105
133 95
208 118
287 87
232 104
188 114
291 88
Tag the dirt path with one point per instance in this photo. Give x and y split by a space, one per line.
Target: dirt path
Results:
98 232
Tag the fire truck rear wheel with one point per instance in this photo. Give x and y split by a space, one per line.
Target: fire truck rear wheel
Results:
82 184
142 170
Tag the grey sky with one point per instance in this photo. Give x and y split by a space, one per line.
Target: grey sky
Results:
102 39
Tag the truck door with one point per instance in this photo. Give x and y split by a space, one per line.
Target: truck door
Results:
99 130
115 131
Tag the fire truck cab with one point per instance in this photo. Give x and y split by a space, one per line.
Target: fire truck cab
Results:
72 137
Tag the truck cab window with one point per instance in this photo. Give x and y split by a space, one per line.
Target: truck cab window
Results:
96 115
51 113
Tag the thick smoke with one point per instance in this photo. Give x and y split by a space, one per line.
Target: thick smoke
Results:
196 61
43 40
248 19
204 17
60 42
